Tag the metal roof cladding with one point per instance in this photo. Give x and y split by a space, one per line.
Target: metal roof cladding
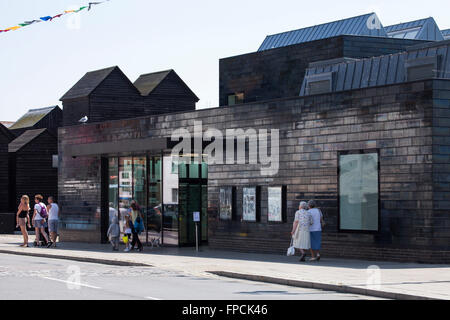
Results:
423 29
446 34
365 25
380 71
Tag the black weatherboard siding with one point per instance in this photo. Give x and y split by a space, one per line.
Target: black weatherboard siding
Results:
31 155
5 138
406 122
278 73
108 94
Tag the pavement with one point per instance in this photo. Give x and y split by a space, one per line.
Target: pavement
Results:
389 280
69 280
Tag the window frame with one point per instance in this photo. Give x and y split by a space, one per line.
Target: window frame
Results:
320 77
349 152
235 95
432 61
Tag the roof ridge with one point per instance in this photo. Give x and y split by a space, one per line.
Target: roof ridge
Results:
322 24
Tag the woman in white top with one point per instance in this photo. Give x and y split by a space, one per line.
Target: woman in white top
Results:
300 230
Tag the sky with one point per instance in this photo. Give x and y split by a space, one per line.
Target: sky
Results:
41 62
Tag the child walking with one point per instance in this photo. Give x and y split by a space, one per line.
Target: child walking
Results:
127 230
114 234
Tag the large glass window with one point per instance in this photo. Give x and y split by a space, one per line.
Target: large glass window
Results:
113 188
154 211
170 219
140 188
125 184
358 191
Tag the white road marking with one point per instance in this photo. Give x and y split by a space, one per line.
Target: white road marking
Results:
72 283
152 298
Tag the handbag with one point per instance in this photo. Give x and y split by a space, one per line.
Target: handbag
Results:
291 250
125 239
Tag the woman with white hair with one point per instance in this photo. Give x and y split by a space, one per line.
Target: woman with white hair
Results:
300 230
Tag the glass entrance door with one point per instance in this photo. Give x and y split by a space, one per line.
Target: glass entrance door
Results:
192 198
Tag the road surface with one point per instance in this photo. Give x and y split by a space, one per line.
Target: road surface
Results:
30 278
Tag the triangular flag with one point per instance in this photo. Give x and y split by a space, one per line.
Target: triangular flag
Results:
82 8
46 18
92 4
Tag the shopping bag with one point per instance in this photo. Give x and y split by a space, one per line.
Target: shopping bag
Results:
291 250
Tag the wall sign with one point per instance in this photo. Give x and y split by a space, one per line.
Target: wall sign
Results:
226 203
249 204
275 204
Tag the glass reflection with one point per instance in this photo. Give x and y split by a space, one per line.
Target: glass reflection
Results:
154 210
170 192
358 196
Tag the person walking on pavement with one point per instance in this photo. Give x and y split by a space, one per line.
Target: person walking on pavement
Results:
127 230
23 218
53 220
40 213
137 222
300 230
114 233
315 230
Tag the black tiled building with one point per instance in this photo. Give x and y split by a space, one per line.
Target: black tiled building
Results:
363 126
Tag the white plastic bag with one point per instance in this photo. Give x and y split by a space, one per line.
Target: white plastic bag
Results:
291 250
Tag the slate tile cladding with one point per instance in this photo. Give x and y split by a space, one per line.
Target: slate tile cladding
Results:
408 123
278 73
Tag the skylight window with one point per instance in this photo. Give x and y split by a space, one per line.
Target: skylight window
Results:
405 33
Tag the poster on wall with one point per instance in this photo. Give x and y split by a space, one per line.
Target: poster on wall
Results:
249 204
275 201
226 203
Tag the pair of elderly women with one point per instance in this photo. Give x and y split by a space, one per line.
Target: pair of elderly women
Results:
307 230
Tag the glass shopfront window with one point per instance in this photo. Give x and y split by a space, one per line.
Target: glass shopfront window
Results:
170 192
154 212
358 191
140 188
125 185
113 188
161 189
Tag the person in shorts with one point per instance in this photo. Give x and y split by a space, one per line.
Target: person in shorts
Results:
38 220
53 220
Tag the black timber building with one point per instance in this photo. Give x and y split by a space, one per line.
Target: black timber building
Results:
363 130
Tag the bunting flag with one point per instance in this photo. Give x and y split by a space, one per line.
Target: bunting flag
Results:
50 18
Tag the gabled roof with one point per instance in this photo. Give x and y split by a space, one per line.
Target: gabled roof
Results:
146 83
88 83
32 117
423 29
24 139
446 34
365 25
5 131
7 124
